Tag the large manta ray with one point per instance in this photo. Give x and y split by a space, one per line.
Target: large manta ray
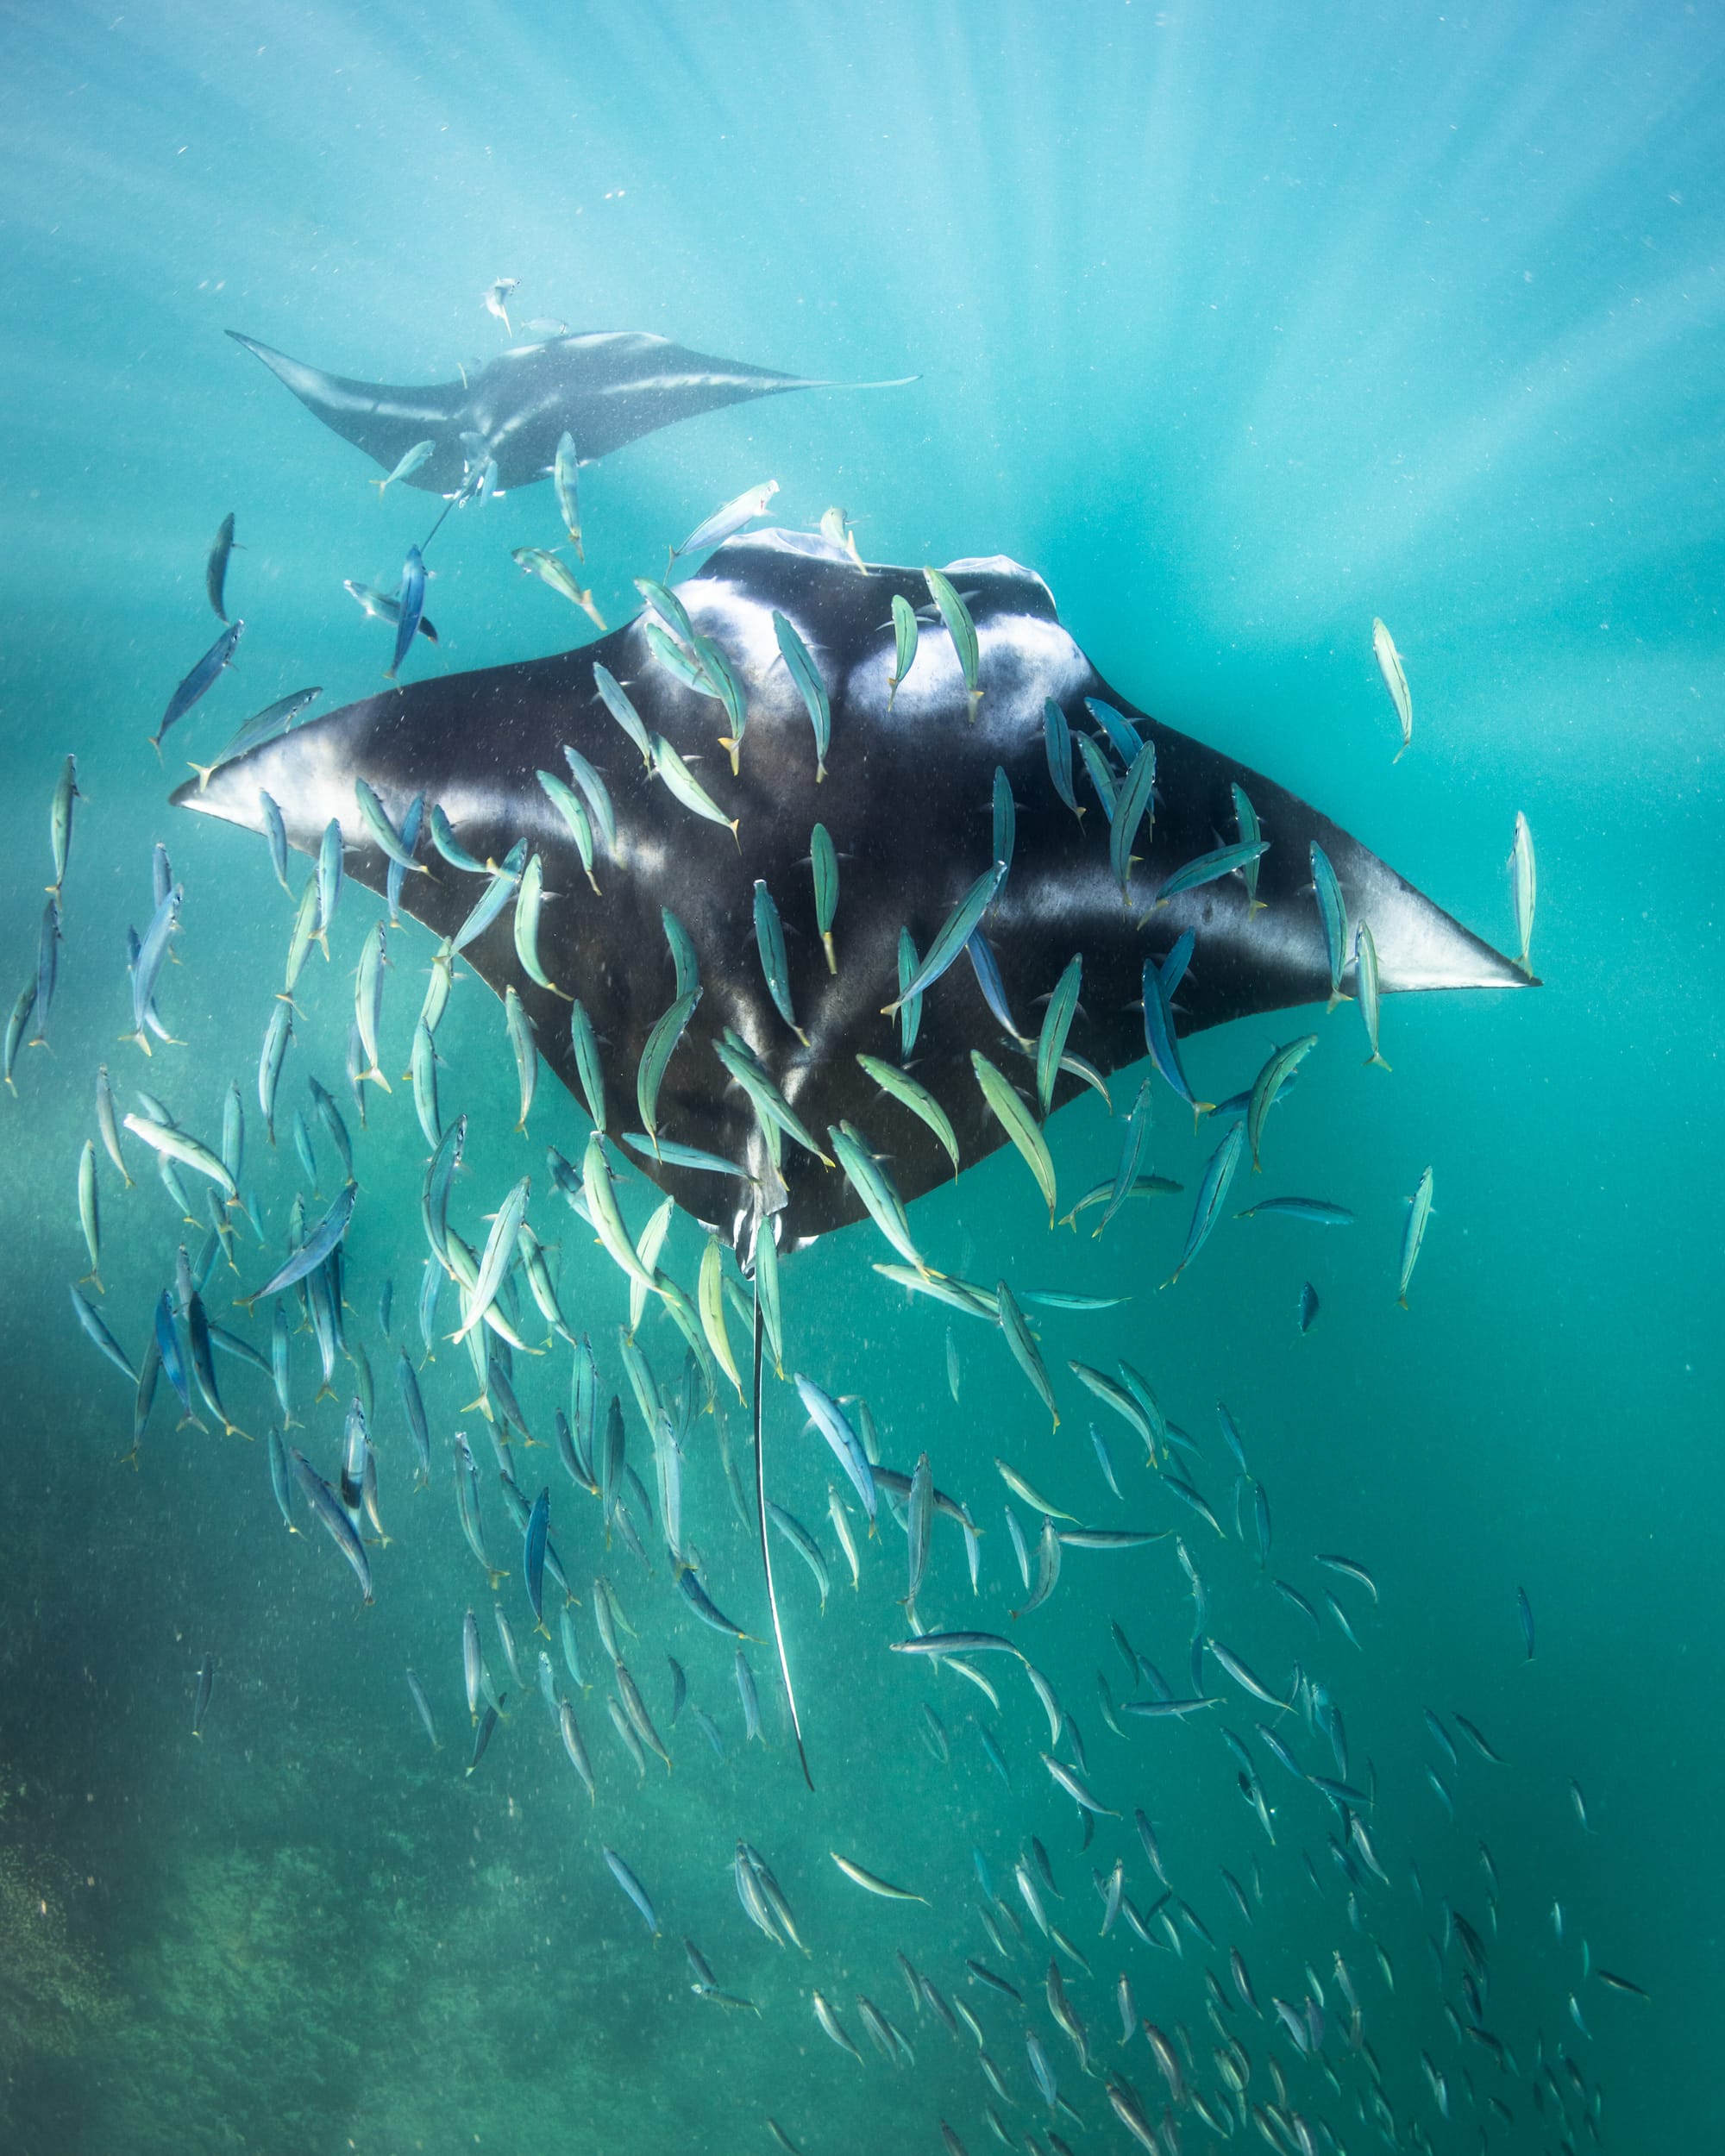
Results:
908 800
606 389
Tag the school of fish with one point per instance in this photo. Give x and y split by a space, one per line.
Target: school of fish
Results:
1123 1994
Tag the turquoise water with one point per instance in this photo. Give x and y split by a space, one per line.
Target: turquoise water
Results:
1241 328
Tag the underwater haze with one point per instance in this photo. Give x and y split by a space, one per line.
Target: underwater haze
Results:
1246 329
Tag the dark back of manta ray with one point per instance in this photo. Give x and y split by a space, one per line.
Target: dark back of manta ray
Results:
909 802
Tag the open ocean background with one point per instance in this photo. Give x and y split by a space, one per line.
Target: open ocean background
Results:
1241 326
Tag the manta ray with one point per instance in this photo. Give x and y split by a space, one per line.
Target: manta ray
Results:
914 789
606 389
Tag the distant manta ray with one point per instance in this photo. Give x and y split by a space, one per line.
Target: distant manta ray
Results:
909 802
606 389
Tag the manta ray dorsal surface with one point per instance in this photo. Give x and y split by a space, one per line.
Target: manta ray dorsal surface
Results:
910 804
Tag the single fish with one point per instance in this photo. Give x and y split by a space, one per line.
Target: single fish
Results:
962 630
1160 1035
90 1213
96 1327
267 725
1525 878
1366 980
875 1188
1211 868
1243 1675
1333 911
871 1883
1413 1235
1076 1787
541 562
1022 1342
313 1252
324 1503
1349 1569
383 606
916 1098
1057 733
1474 1737
1279 1066
1134 1140
770 944
1037 1503
1133 806
1018 1125
685 788
836 530
1057 1024
565 468
724 523
1251 831
1396 681
48 970
59 822
632 1887
956 932
941 1646
179 1145
1318 1211
824 865
1212 1194
800 665
411 602
834 2028
495 297
835 1425
905 634
368 1002
216 568
409 461
201 678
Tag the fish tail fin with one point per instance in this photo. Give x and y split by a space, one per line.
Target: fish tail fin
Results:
93 1279
1374 1060
375 1077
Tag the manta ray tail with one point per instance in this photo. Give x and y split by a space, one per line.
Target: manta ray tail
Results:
376 416
765 1226
898 381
